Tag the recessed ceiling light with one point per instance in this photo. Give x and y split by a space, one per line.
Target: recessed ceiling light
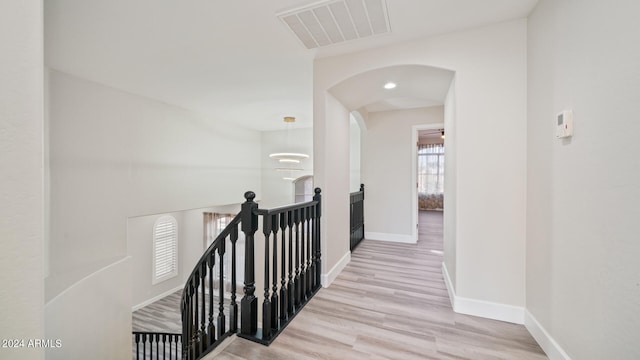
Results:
389 85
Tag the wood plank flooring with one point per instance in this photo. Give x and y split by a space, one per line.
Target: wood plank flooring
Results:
390 302
161 316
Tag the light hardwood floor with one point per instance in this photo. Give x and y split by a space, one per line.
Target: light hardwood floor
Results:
390 302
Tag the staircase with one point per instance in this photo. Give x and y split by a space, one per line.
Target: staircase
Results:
285 255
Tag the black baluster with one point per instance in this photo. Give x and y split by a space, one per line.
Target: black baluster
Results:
186 342
185 321
318 262
151 346
283 285
191 323
221 316
137 338
303 278
212 329
195 336
203 314
171 347
291 286
297 289
249 303
274 292
144 346
362 214
233 307
158 337
312 271
164 346
266 303
308 214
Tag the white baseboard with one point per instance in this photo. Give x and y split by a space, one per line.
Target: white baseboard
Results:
156 298
544 339
489 310
448 284
482 308
398 238
327 279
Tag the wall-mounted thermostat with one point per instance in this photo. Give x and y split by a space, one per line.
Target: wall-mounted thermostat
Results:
564 124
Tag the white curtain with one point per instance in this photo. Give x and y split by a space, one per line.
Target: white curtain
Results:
431 169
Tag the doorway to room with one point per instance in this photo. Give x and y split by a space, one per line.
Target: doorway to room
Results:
303 189
429 160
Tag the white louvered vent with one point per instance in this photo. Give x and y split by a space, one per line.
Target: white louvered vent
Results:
335 21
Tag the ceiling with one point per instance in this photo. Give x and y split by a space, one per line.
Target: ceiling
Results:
232 60
416 86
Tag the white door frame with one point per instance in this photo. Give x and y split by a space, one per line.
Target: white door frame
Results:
414 172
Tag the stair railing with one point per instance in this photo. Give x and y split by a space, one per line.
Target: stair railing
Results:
356 200
291 277
204 322
165 345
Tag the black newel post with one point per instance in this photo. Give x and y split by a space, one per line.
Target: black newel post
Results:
249 303
317 260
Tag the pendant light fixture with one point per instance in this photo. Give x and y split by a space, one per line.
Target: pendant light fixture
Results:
288 160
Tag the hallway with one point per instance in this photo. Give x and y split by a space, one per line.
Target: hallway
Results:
390 302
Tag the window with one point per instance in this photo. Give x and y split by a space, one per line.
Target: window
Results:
165 249
214 223
431 169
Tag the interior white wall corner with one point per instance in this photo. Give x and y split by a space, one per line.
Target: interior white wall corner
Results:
331 174
21 180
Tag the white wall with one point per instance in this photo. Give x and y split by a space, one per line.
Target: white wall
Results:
355 135
276 191
387 170
331 174
140 249
583 273
450 185
115 155
93 316
490 66
21 179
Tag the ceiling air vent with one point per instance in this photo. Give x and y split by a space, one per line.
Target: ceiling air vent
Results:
331 22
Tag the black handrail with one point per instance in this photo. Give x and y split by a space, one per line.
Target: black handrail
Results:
295 278
356 200
198 330
297 229
167 346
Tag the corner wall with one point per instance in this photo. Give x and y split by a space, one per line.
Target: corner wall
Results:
331 173
451 186
21 179
583 273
